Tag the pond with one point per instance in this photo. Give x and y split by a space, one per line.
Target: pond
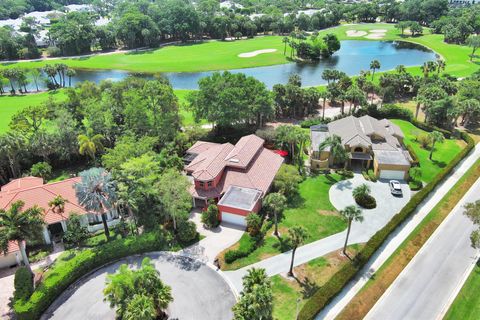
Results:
353 57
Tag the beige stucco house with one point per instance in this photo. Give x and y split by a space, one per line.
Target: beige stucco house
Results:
369 142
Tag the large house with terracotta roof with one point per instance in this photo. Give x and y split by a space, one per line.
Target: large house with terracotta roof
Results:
236 177
33 191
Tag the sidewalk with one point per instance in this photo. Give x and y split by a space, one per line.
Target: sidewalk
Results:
396 239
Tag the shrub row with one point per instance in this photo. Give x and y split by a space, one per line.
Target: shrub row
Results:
246 247
23 284
367 202
336 283
60 277
413 154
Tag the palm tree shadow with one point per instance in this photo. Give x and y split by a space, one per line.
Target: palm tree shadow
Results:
308 286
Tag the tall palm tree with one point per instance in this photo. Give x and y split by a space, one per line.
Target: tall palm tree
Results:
285 40
70 73
18 225
337 150
401 69
96 192
440 65
374 65
350 213
436 136
275 203
89 144
323 95
297 236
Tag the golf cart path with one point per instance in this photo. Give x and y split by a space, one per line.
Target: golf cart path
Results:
397 237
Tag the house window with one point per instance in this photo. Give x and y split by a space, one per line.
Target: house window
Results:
358 149
209 183
202 184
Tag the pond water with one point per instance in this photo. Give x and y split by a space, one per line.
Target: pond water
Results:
353 57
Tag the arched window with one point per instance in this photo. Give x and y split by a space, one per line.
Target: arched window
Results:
358 149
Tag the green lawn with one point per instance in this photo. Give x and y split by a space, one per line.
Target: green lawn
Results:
442 155
313 211
221 55
9 105
467 303
308 278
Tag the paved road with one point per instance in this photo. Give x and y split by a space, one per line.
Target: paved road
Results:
426 287
340 196
198 291
396 239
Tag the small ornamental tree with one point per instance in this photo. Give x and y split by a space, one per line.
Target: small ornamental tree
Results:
472 211
41 169
435 136
254 224
275 204
23 284
210 216
187 231
76 233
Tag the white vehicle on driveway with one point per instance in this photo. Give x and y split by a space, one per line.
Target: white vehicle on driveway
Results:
395 187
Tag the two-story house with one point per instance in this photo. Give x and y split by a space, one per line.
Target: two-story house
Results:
236 177
368 142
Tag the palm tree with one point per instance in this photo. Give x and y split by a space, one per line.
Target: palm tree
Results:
337 150
12 76
323 95
435 136
254 277
51 72
96 192
285 40
401 69
297 236
361 191
18 225
71 73
89 144
140 307
57 204
350 213
275 203
440 65
374 65
355 96
36 76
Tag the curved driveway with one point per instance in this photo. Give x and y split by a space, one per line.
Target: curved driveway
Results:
199 292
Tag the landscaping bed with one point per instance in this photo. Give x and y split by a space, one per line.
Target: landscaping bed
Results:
312 210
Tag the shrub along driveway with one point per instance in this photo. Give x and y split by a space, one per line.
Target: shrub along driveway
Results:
198 291
387 204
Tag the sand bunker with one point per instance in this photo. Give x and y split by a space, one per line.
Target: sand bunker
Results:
375 36
378 30
255 53
355 33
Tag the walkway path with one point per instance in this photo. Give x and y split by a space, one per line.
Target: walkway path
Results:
396 239
340 195
438 270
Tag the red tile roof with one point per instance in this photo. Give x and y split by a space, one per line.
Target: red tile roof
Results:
12 247
260 167
41 194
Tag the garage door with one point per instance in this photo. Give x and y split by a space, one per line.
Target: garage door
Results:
392 174
8 260
234 219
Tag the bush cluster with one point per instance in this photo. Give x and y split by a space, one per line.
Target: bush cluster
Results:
336 283
367 201
347 174
58 279
247 246
307 123
23 284
415 160
187 231
388 111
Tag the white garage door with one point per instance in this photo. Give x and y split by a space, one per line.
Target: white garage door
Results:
8 260
392 174
234 219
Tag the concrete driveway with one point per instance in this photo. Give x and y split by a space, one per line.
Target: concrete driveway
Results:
216 240
199 292
387 204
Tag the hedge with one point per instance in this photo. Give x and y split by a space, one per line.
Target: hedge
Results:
61 276
247 246
341 278
413 154
23 284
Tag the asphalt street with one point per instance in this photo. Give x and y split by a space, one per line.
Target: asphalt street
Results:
427 286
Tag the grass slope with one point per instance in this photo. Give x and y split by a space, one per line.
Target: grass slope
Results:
442 155
312 210
467 304
221 55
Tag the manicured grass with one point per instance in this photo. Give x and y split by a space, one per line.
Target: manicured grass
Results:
222 55
467 304
308 278
444 152
388 272
9 105
312 210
